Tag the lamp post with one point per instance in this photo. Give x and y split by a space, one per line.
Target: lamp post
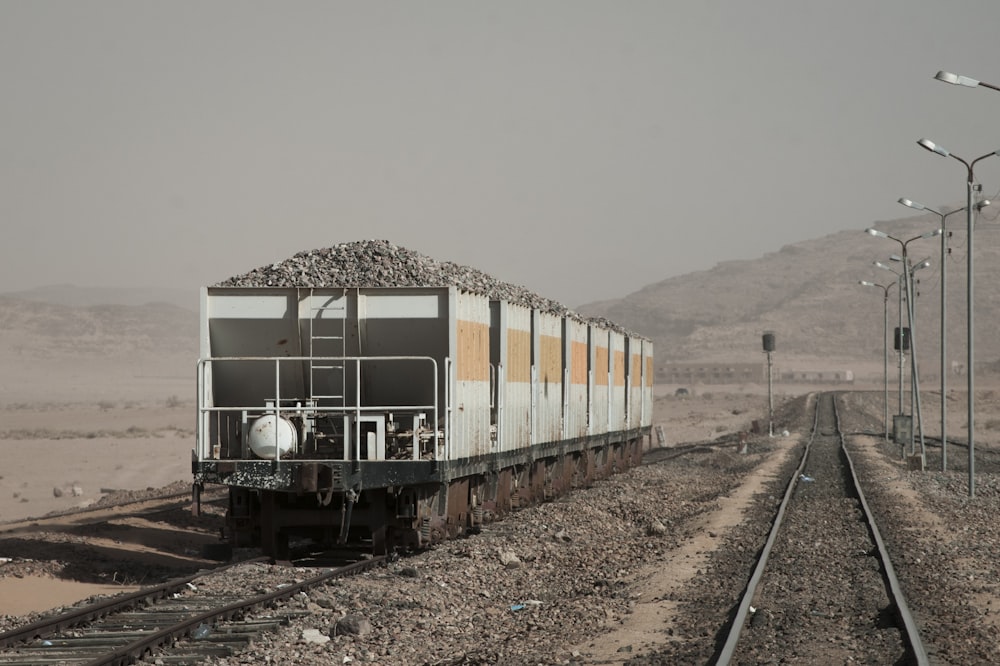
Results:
911 313
885 349
908 275
944 328
970 312
899 310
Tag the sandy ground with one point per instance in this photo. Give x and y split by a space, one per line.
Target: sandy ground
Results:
60 455
57 458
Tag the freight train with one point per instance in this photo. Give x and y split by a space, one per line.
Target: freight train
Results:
404 416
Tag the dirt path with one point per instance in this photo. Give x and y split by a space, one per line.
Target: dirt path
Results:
649 625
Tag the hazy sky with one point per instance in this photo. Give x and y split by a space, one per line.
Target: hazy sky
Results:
581 149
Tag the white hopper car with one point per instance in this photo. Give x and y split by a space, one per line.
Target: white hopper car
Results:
404 415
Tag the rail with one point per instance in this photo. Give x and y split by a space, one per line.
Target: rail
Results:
110 645
908 628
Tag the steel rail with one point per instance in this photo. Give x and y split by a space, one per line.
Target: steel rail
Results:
729 648
889 572
145 645
127 654
739 622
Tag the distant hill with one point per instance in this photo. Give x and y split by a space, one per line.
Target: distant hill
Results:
31 330
67 294
808 294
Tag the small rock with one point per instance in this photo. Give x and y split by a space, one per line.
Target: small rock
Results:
656 528
314 636
509 559
357 625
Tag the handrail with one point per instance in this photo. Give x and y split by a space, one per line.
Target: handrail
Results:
278 405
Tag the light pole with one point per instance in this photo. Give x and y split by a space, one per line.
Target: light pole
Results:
911 313
944 328
899 347
970 313
885 349
908 274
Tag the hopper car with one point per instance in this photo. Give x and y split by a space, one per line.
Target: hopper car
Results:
404 416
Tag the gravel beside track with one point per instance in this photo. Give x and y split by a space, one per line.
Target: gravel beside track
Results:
944 544
547 584
823 597
524 590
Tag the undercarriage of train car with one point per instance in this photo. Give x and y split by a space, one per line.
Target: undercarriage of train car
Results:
401 506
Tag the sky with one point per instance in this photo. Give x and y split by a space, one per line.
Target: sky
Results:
581 149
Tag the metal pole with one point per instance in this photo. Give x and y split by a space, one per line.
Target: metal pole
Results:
908 278
902 354
885 361
914 370
770 400
944 361
971 370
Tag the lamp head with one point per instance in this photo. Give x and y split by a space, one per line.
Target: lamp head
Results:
885 267
955 79
911 204
983 204
875 232
927 144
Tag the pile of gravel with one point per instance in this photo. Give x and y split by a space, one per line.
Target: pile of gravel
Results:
379 263
539 587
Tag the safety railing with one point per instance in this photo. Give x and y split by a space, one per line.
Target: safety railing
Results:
222 430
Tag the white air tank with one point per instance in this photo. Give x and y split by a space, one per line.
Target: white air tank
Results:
272 436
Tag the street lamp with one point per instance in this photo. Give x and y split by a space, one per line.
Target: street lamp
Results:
885 349
944 328
908 274
899 310
970 327
958 80
911 310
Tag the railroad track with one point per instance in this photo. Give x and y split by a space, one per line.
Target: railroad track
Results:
793 608
180 622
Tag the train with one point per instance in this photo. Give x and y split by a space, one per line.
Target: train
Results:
400 417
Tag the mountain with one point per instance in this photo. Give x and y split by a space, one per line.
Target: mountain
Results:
808 294
67 294
35 330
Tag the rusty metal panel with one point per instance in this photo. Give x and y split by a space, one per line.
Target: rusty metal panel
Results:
547 351
599 379
513 358
634 381
576 389
618 389
647 383
469 420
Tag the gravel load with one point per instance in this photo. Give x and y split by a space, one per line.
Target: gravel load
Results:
379 263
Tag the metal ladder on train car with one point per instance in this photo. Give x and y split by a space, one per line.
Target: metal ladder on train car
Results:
334 372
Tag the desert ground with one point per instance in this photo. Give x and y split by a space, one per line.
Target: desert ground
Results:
65 451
